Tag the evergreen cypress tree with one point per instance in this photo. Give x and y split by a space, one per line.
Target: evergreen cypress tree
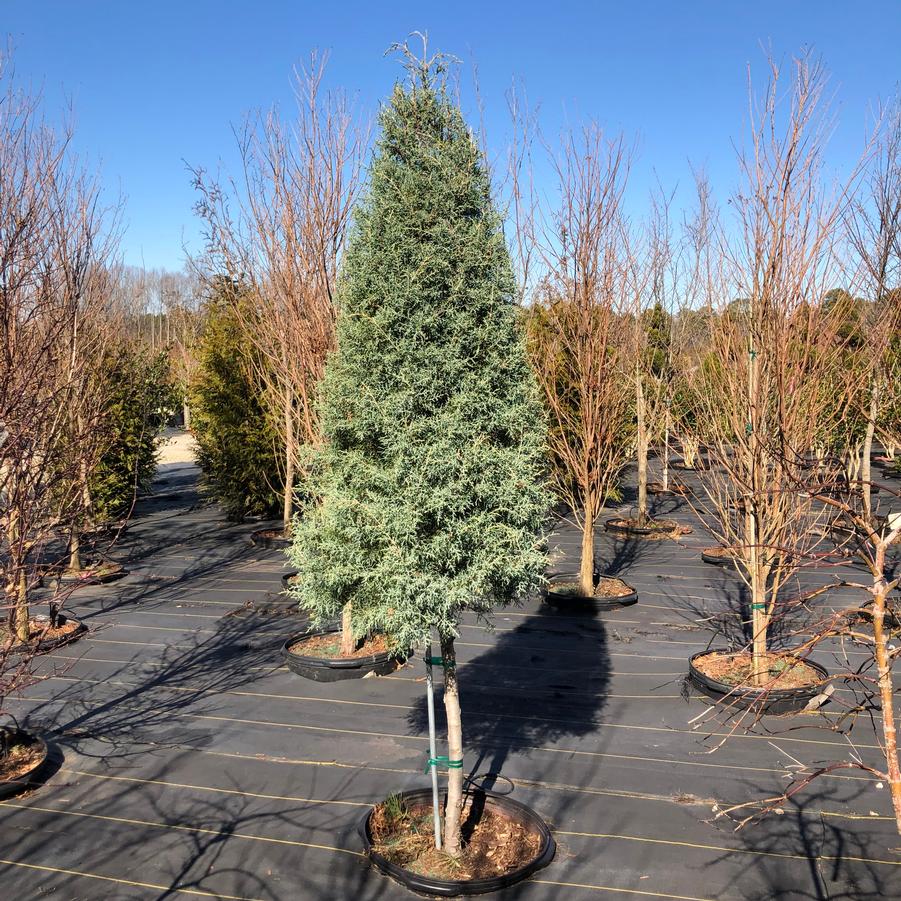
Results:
432 499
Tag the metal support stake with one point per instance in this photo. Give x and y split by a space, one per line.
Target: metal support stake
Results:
433 763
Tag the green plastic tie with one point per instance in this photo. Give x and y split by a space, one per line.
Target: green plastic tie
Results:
450 764
753 353
434 661
758 606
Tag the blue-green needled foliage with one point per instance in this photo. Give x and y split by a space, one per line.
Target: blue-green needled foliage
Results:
431 488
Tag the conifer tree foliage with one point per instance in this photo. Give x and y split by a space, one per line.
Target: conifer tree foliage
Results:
430 484
236 441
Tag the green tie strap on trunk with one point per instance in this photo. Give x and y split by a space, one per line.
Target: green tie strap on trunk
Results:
758 606
434 661
450 764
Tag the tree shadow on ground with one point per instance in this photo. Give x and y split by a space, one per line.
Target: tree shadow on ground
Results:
841 861
544 680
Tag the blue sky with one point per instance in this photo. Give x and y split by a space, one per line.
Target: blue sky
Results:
155 84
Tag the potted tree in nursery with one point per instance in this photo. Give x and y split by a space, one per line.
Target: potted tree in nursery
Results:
576 343
762 401
431 495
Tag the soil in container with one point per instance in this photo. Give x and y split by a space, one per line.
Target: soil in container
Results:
493 844
41 630
654 529
21 759
672 488
271 538
328 647
93 575
782 670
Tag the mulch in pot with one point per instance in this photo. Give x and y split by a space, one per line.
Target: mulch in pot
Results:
494 844
718 555
271 538
328 647
96 574
44 635
651 529
783 670
672 488
23 762
610 592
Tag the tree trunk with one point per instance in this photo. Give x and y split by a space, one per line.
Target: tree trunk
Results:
75 551
186 415
453 811
886 689
642 451
289 460
22 626
586 565
347 632
865 471
666 431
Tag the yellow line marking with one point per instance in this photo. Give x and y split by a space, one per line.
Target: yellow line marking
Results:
511 716
179 828
118 881
224 791
625 891
677 844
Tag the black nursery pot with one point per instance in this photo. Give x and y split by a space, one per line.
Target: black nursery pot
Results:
286 580
100 577
771 701
451 888
620 526
717 560
571 602
26 780
325 669
51 644
268 539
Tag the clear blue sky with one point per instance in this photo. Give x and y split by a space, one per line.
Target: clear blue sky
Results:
156 82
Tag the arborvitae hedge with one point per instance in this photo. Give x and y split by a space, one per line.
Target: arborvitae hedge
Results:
236 441
141 396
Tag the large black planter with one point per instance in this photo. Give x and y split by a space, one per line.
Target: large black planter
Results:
263 538
92 577
325 669
451 888
32 776
717 560
51 644
569 602
619 525
762 700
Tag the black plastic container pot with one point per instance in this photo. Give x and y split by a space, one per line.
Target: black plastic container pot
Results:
286 579
763 700
620 525
98 576
326 669
568 601
451 888
717 559
32 776
269 538
51 644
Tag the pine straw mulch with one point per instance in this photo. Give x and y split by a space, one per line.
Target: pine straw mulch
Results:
492 846
328 647
663 529
784 670
20 759
41 630
605 587
672 488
